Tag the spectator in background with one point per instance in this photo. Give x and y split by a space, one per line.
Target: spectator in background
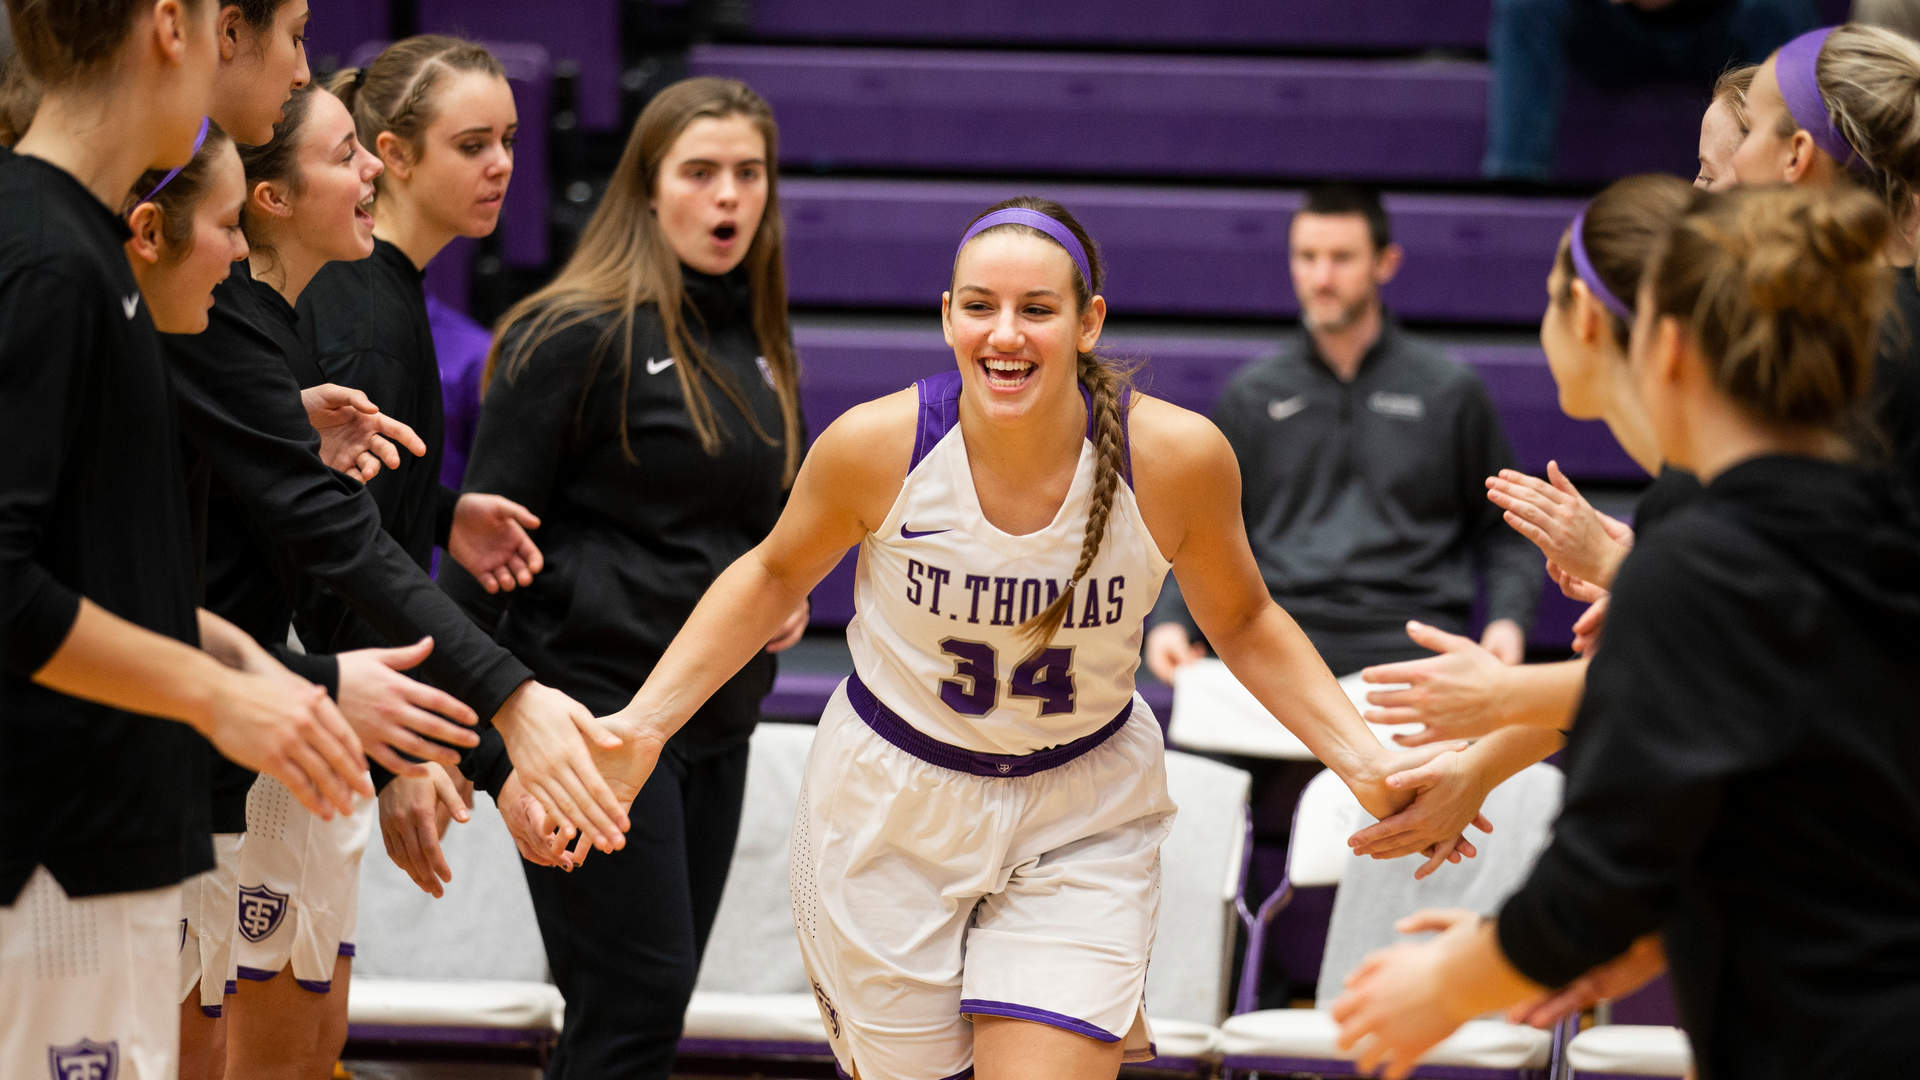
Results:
1613 43
1363 452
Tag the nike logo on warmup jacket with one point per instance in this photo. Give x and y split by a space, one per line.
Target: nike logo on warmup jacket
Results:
915 534
130 305
1282 409
655 367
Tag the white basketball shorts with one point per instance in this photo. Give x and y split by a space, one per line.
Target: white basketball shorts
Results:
86 986
207 926
925 895
298 896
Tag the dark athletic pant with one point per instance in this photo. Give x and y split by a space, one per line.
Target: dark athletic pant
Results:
624 933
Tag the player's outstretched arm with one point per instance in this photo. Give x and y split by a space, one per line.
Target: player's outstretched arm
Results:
846 486
1188 484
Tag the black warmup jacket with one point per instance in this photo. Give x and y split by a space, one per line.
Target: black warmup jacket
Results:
285 516
91 505
1365 502
365 326
1744 777
630 546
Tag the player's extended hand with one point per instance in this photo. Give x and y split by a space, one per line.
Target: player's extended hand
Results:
1616 978
1560 521
551 740
395 715
277 723
355 436
414 814
490 541
1456 693
1397 1003
1449 793
1169 647
625 768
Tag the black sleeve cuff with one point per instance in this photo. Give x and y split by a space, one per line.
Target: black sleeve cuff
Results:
320 669
487 764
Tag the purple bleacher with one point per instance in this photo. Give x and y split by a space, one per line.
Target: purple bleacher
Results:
523 219
1150 23
843 366
338 29
586 32
1174 116
1170 251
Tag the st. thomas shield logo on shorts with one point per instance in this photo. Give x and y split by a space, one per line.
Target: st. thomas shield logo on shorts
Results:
261 910
84 1060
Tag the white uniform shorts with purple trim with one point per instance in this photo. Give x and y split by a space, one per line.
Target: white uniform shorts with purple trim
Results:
207 926
86 986
924 896
299 891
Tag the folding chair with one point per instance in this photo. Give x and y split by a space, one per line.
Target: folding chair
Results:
1372 896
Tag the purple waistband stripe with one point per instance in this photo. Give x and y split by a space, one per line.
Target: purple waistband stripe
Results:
346 949
976 1007
890 726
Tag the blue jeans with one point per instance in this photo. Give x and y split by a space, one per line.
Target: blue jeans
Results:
1532 44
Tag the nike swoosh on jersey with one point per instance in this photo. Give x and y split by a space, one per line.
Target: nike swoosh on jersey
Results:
130 305
1283 409
655 367
913 534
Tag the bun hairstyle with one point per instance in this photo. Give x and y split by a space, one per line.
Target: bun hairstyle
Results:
1783 290
398 91
1105 380
61 41
1869 80
1621 227
180 194
19 100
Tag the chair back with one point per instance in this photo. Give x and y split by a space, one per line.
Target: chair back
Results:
1201 864
752 949
1374 893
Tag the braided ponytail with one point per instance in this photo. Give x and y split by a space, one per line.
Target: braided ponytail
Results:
1106 383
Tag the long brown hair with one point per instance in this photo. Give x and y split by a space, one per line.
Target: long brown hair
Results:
624 260
1106 381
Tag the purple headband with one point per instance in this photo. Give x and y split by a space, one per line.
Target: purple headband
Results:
198 142
1583 266
1014 215
1795 68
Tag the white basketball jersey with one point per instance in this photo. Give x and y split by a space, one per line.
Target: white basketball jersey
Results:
941 593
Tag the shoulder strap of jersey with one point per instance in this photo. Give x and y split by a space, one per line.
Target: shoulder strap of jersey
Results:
939 411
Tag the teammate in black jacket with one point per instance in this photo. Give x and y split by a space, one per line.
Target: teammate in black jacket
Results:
1744 769
645 404
103 811
442 114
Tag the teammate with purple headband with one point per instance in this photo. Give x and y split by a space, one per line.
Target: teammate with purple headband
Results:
1841 105
975 863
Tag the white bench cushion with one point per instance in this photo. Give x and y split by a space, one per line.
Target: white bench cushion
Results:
476 1003
1309 1033
1630 1050
784 1018
1185 1039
